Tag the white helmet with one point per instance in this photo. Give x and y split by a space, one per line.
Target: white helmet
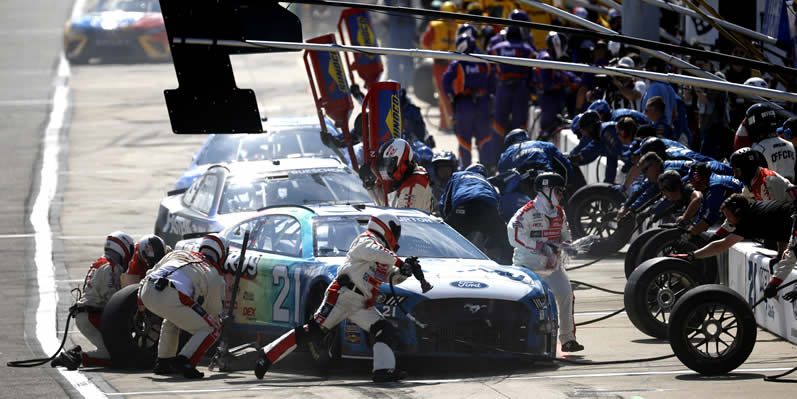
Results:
395 159
151 249
119 245
215 247
757 82
388 226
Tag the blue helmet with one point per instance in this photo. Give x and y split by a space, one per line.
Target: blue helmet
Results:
601 107
465 43
444 156
515 136
557 44
467 29
477 168
516 32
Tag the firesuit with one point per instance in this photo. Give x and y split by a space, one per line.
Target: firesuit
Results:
512 196
539 155
513 85
621 113
767 185
779 153
440 36
190 299
553 87
469 84
675 150
719 188
407 183
536 231
607 144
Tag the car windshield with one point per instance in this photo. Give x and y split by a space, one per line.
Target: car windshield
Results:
128 5
299 187
423 237
285 143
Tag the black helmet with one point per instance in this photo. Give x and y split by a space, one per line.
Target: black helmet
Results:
761 120
548 179
653 144
445 157
591 122
700 172
746 162
670 180
515 136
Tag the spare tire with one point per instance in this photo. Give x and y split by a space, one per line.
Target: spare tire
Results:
635 247
670 241
130 337
652 290
592 210
712 329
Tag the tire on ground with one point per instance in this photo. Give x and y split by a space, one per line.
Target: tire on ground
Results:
669 242
652 290
132 342
712 330
592 210
635 247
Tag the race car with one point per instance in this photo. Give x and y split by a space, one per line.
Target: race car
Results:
117 30
285 137
475 307
225 194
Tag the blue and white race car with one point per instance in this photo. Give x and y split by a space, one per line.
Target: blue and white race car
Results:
294 253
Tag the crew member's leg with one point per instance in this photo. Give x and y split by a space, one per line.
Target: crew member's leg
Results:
560 285
384 339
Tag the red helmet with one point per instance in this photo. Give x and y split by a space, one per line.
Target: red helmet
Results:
215 248
388 226
395 159
120 244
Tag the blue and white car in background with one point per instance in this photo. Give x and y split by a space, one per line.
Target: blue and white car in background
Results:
284 137
294 253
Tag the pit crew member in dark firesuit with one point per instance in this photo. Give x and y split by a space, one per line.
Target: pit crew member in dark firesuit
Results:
539 233
149 251
760 183
608 114
444 164
553 86
610 139
410 186
470 205
514 189
652 167
371 261
715 189
101 282
468 84
666 150
524 154
513 82
678 193
767 220
186 289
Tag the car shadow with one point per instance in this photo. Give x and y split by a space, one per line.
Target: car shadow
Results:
726 377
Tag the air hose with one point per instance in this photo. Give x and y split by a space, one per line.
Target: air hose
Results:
40 361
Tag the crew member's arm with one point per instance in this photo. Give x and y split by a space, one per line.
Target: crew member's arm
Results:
717 247
371 251
695 200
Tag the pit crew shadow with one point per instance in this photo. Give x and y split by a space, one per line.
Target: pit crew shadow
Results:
726 377
209 376
650 341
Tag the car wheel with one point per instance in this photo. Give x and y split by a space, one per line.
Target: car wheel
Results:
634 248
652 290
328 349
670 241
712 330
592 210
130 336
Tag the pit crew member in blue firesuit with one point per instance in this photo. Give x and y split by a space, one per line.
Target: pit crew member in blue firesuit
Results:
470 205
608 114
666 150
370 261
715 189
767 220
149 251
527 155
513 83
469 85
515 15
410 186
610 139
514 189
101 282
553 86
539 233
186 289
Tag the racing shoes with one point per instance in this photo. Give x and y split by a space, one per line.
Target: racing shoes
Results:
572 346
164 366
262 365
388 375
181 365
70 359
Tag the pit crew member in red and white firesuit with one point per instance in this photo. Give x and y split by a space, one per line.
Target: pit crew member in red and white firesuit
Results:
760 183
101 282
149 251
539 233
371 261
410 186
186 289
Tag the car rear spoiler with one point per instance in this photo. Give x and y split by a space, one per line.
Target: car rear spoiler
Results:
175 192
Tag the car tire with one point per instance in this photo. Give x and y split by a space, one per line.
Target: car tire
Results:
130 337
592 209
652 290
634 249
706 315
328 350
669 242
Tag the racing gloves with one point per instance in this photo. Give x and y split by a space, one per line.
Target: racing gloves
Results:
771 290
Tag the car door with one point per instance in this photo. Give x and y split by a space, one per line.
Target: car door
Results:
194 216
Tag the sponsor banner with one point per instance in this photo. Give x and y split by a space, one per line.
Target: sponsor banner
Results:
362 34
748 274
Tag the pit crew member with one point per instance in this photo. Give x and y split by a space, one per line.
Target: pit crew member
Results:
149 251
759 183
409 184
715 189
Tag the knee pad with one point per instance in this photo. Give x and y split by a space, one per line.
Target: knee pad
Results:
383 331
309 332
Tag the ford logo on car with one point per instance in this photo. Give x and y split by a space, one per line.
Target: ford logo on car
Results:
468 284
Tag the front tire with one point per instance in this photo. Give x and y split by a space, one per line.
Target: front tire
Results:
131 337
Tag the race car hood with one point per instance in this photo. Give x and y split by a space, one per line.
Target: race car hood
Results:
113 20
457 278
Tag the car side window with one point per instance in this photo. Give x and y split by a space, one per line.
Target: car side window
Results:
236 235
205 194
188 197
280 234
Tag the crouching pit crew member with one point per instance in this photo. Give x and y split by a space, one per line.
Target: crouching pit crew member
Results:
186 289
539 232
745 219
149 250
371 260
101 282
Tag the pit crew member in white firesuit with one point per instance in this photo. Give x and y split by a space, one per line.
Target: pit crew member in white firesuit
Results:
410 186
149 251
760 183
186 289
539 233
371 260
101 282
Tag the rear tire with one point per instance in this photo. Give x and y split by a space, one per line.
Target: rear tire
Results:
634 248
592 210
670 241
652 290
130 337
712 330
